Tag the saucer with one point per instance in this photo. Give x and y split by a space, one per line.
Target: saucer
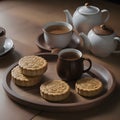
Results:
40 42
8 45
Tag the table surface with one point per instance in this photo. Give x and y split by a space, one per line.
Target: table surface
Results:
23 21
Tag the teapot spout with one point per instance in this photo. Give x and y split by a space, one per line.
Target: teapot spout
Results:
86 41
68 17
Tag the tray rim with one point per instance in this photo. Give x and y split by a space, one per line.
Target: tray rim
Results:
73 106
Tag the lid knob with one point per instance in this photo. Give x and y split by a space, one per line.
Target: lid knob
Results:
103 27
2 31
87 4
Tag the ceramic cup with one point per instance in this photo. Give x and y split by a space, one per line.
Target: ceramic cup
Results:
58 34
70 64
2 38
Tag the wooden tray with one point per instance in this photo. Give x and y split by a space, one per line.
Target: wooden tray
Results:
30 97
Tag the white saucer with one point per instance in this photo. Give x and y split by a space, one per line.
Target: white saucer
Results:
8 45
40 42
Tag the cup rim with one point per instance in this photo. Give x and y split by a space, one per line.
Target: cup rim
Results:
70 50
49 24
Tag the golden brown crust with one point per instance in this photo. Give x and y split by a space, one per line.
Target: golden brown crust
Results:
55 90
88 87
33 65
22 80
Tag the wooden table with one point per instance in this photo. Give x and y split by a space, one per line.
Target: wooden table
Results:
23 21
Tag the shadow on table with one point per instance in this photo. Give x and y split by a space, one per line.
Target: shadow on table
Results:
9 58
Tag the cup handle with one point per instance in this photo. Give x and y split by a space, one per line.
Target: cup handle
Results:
118 39
90 64
105 11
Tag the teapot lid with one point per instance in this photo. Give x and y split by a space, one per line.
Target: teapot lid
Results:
103 30
88 9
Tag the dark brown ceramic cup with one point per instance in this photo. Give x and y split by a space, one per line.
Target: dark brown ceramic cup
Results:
70 64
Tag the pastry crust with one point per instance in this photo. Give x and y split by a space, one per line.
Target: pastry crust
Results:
55 90
33 65
89 87
22 80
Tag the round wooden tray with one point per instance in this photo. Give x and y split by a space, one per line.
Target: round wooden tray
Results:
30 97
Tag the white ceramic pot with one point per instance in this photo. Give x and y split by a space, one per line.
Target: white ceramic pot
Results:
101 41
86 17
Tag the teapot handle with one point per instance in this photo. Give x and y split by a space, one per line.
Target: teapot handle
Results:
118 39
105 11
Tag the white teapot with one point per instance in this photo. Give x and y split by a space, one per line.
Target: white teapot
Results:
101 41
86 17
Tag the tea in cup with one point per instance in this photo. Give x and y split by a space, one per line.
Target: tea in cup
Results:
58 34
2 38
70 64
